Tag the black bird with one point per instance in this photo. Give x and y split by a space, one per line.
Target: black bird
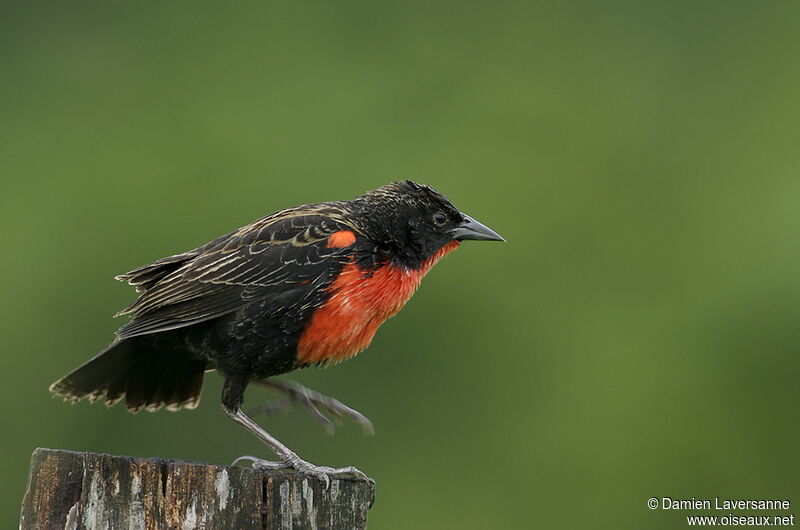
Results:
305 286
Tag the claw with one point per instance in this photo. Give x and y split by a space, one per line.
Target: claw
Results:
323 473
260 464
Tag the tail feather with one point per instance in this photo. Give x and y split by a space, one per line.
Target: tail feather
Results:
188 386
134 370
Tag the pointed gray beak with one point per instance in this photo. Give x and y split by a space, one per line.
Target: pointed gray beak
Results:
472 229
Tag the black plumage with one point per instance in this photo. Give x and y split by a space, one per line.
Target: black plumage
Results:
241 303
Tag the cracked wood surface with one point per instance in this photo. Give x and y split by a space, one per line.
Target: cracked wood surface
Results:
73 490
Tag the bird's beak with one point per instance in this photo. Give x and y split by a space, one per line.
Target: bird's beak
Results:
472 229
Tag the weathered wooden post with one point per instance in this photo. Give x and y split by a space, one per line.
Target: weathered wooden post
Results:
92 491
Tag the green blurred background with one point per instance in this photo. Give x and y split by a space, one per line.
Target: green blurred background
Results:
637 336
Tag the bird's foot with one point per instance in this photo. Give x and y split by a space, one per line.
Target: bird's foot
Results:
261 464
323 473
315 403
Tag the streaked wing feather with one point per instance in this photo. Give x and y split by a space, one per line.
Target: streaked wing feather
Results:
183 314
258 260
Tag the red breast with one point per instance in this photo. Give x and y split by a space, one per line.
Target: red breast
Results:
359 304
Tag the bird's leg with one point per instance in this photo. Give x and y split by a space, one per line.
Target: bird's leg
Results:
289 458
232 398
313 401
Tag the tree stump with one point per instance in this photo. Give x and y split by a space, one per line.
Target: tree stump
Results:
74 490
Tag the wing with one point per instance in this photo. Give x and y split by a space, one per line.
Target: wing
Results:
271 257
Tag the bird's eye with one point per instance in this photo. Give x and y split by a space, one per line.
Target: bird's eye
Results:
439 218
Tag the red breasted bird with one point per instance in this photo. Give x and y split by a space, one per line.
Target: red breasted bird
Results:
305 286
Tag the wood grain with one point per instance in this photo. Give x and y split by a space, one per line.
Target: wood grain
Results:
72 490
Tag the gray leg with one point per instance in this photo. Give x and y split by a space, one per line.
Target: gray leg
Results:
289 458
313 401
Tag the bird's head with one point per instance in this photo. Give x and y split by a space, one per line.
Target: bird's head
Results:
413 221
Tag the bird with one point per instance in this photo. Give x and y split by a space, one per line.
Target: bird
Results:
305 286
